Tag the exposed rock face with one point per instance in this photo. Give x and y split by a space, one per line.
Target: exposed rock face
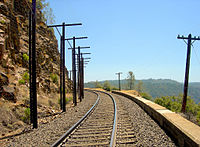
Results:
8 93
3 79
14 43
14 58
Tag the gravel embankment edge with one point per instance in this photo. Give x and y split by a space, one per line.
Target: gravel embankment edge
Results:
183 131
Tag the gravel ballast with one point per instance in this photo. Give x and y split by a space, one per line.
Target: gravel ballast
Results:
96 130
47 134
146 130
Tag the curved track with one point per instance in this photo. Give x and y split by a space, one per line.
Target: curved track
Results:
96 128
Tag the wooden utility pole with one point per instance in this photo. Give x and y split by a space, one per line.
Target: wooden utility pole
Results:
189 43
79 72
30 66
74 72
63 66
83 61
33 76
74 66
119 73
61 73
62 63
81 77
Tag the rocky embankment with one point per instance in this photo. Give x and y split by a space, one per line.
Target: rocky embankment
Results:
48 133
14 59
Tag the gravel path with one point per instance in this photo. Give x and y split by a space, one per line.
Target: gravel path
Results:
47 134
146 130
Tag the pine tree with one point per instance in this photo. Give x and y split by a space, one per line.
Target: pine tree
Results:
130 80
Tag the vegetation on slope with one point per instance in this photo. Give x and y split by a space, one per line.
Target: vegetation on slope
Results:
157 88
174 103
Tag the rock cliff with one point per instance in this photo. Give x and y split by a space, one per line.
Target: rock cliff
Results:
14 56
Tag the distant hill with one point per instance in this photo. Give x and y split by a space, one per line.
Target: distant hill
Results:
160 87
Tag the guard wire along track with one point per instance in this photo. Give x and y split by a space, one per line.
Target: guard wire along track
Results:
96 128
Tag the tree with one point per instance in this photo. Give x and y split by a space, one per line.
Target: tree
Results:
139 86
98 85
106 86
47 12
40 4
130 80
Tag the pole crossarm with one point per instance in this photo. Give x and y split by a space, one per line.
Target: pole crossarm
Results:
85 53
80 48
84 58
73 24
118 73
76 38
84 61
56 26
192 38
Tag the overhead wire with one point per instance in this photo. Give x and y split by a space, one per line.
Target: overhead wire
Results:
198 59
69 43
58 32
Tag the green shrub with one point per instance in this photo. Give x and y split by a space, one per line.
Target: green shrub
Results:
22 82
66 100
54 78
174 103
26 76
146 95
114 88
2 21
106 86
25 57
24 79
170 102
198 117
26 117
97 84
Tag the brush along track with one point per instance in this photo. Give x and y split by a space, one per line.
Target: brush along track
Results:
97 128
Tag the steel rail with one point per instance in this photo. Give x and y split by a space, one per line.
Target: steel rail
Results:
114 131
60 140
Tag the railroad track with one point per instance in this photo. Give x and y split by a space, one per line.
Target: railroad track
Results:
96 128
99 127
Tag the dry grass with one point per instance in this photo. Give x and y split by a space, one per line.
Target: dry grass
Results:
134 92
95 89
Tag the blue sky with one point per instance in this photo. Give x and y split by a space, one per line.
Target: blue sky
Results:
130 35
